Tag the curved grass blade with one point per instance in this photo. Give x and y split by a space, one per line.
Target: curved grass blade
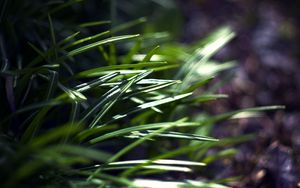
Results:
128 25
159 161
178 135
128 130
149 105
68 38
94 23
108 105
89 85
98 43
129 57
150 54
115 68
112 96
79 41
130 147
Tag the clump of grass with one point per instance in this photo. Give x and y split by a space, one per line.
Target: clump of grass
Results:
78 105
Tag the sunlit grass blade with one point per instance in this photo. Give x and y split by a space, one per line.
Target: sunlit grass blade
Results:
178 135
201 55
130 147
148 105
73 94
243 111
128 130
215 41
152 88
159 161
79 41
108 105
90 85
98 43
115 68
103 100
198 84
120 92
111 180
210 68
201 184
153 183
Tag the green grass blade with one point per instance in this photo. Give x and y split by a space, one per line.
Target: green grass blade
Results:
112 54
53 38
179 135
148 105
159 161
97 82
128 25
53 84
85 152
69 38
94 23
98 43
134 50
128 130
150 54
54 135
34 126
117 68
111 103
198 84
77 42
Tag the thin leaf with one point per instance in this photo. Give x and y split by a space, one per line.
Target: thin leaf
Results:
98 43
94 23
150 54
129 57
128 130
159 161
179 135
148 105
117 68
77 42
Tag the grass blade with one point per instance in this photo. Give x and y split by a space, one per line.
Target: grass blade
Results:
98 43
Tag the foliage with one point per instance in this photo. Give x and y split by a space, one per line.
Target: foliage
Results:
77 105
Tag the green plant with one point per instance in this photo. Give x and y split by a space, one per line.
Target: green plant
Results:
77 104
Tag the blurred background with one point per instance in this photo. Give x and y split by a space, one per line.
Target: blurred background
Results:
267 50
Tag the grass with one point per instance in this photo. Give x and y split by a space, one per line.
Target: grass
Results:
76 105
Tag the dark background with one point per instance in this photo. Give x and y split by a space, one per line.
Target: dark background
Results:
267 49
